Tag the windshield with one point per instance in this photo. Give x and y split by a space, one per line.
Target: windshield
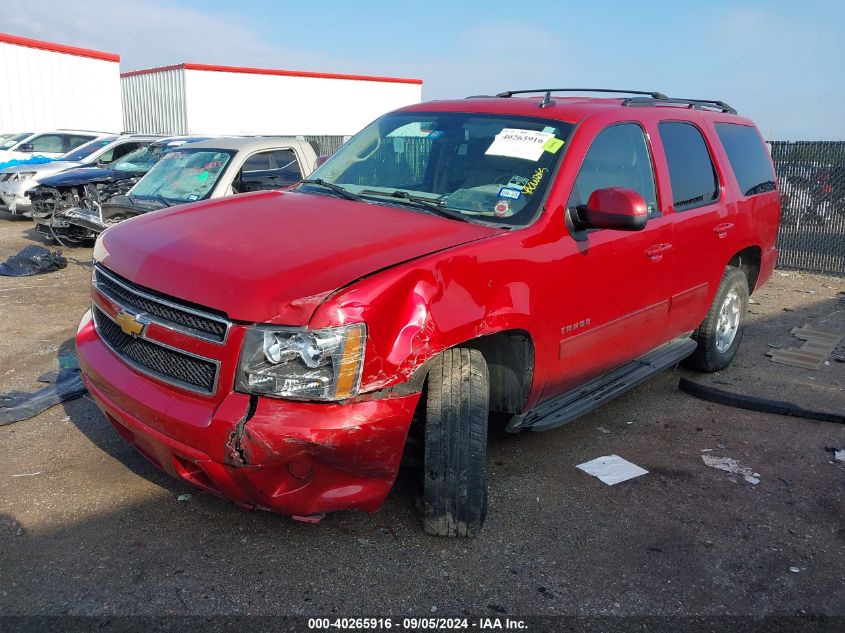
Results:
140 160
183 175
488 168
14 140
85 151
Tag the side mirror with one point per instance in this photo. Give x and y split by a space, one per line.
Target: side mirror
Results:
322 159
614 208
26 147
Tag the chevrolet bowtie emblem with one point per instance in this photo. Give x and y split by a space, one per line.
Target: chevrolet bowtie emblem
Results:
129 323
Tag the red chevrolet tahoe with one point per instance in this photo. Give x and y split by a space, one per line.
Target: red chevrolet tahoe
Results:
528 256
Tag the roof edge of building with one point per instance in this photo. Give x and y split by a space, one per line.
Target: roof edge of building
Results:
270 71
8 38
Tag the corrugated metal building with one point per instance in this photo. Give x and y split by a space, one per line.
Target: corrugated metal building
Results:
47 86
203 99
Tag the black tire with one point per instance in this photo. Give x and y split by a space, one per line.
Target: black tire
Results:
708 356
454 498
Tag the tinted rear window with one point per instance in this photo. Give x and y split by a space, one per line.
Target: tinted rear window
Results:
748 157
690 168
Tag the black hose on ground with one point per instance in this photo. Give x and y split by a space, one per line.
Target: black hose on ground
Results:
752 403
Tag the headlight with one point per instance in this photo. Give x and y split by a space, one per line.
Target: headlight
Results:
303 364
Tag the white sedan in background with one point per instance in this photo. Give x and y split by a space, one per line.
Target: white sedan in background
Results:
48 144
18 180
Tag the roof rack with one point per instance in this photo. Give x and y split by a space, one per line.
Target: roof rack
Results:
697 104
649 98
653 95
73 129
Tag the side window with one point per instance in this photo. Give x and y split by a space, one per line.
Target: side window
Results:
618 157
48 143
287 167
119 151
691 170
74 141
257 162
748 157
259 173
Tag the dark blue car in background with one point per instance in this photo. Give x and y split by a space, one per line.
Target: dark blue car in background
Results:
68 204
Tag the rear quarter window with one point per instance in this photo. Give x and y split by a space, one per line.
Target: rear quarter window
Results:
691 170
748 158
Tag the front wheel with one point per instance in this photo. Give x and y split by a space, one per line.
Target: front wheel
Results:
720 333
454 495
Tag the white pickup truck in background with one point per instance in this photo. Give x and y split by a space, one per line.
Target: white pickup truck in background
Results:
204 170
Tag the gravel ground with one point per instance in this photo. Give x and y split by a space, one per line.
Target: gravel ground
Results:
87 526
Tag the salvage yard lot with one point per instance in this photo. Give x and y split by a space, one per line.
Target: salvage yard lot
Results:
89 527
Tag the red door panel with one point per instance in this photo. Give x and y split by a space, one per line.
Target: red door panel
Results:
617 284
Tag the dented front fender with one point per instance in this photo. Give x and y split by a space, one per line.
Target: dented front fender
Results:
416 310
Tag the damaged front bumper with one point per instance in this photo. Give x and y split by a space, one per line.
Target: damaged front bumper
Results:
83 217
71 226
295 458
15 201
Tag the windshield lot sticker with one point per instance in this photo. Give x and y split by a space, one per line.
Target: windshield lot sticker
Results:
502 208
517 182
193 197
516 143
552 145
513 194
535 181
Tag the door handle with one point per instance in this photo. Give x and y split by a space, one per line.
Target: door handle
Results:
656 251
722 229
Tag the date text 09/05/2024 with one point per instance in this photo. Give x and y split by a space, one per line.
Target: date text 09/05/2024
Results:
415 624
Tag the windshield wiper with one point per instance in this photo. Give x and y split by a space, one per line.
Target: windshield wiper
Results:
419 201
165 201
345 193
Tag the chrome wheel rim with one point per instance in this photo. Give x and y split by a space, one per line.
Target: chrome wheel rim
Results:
728 324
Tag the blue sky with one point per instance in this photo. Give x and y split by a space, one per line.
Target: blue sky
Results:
781 63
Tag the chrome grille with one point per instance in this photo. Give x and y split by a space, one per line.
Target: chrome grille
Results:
165 363
164 311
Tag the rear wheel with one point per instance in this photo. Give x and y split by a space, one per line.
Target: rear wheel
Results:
720 333
454 495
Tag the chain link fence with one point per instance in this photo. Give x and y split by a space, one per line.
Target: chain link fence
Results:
325 145
812 186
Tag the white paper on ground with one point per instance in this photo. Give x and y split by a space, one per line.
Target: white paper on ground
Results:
730 465
612 469
517 143
839 456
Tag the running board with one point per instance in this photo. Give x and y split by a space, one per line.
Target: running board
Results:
591 395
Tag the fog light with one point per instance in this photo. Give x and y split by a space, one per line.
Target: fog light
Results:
300 466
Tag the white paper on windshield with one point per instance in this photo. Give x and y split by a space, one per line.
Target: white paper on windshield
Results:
516 143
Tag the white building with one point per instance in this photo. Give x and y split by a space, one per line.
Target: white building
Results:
203 99
46 86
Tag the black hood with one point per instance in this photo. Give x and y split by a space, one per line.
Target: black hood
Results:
123 205
85 175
